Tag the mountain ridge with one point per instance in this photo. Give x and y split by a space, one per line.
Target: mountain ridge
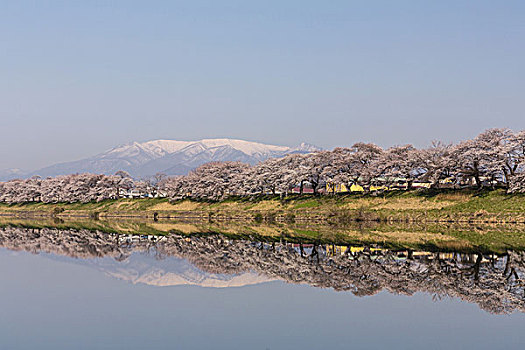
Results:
172 157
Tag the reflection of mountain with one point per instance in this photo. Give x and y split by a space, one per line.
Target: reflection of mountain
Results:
170 271
493 282
110 255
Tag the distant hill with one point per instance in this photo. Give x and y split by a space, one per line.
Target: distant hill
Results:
169 156
11 174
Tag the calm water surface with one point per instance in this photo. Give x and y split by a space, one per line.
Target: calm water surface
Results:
62 291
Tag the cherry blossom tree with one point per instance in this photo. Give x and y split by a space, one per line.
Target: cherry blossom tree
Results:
494 157
215 180
436 163
353 165
398 162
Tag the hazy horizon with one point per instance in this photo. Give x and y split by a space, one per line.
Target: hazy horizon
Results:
82 77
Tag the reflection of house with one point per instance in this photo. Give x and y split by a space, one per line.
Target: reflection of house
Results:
333 250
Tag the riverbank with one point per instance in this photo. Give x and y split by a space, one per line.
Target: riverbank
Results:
486 238
419 206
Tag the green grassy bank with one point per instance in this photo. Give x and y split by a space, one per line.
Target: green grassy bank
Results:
418 206
430 237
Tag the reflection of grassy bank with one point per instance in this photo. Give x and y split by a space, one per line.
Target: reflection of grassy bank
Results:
442 206
484 238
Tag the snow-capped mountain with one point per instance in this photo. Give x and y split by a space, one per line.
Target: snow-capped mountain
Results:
172 157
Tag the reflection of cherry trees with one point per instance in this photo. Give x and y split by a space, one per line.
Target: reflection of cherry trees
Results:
485 280
495 283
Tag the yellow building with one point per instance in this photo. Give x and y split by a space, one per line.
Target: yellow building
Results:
378 188
340 188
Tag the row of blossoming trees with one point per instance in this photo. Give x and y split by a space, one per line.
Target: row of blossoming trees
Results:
494 158
68 188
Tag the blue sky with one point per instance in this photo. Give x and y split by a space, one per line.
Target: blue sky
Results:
79 77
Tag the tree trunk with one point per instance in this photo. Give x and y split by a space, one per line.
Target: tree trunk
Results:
477 265
507 175
478 181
